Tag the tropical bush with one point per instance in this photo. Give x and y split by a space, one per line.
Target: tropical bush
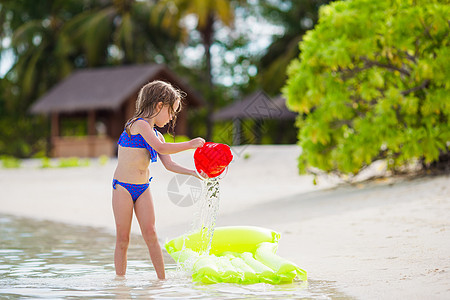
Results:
372 82
46 163
9 162
103 160
70 162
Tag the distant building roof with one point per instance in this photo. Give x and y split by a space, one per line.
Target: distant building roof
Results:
106 88
257 105
280 101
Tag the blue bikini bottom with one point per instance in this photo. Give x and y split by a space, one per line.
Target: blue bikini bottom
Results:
135 190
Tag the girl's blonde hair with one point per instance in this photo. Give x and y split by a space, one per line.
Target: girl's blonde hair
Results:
149 96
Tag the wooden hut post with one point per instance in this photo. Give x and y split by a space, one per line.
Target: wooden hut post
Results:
91 123
237 131
54 133
91 133
257 130
55 125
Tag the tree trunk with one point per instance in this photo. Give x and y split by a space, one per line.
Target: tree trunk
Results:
207 37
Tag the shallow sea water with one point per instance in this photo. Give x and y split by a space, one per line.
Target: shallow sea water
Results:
42 259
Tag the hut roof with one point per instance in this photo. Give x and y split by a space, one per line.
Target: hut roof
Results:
106 88
257 105
280 101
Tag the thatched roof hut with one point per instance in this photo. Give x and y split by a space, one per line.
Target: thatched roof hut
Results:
104 95
257 106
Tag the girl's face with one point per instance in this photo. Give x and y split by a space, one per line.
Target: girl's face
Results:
165 115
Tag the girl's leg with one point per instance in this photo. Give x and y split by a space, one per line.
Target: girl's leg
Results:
123 214
145 213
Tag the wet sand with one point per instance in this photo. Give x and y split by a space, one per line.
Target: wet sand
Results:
385 239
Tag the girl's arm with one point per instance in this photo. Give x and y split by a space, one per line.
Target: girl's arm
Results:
160 145
170 165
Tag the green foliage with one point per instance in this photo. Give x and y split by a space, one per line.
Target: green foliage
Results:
176 139
372 83
9 162
256 132
46 163
22 136
73 126
69 162
73 162
103 160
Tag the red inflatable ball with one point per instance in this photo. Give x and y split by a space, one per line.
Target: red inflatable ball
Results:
212 158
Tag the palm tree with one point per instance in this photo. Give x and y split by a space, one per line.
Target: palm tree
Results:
40 55
33 27
119 32
207 13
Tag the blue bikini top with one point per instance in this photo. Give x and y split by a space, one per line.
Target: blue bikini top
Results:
137 141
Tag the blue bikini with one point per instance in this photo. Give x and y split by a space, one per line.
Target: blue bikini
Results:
135 141
135 190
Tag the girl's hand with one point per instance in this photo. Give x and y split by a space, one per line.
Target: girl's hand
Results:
202 175
197 142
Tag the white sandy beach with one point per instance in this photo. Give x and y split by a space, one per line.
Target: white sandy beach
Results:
386 239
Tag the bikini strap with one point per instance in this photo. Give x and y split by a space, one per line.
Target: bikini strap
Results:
134 121
115 181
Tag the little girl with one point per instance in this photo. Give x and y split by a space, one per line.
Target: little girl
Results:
158 103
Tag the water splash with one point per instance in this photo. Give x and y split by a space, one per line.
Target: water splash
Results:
204 220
